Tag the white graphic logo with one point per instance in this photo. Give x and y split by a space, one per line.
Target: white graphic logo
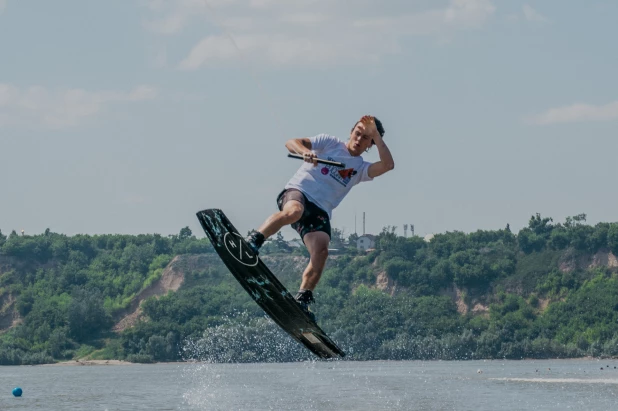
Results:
243 254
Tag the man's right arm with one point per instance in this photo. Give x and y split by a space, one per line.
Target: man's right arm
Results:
298 145
302 146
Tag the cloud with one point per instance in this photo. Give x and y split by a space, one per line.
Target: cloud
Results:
169 25
461 14
532 15
140 93
469 13
60 108
2 5
278 49
577 113
307 32
177 14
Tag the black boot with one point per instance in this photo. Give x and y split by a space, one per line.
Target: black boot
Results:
304 298
255 239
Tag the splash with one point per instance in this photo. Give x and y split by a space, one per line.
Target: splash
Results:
245 339
223 352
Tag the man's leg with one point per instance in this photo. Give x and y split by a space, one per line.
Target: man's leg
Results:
317 244
291 208
292 211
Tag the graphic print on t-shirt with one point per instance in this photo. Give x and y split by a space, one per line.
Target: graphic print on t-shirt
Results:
341 176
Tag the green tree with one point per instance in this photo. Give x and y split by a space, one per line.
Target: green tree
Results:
612 238
529 241
559 238
59 342
185 233
86 314
337 238
386 238
542 226
535 236
598 238
158 348
280 242
352 238
575 220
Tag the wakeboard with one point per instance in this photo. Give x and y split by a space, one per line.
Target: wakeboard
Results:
262 285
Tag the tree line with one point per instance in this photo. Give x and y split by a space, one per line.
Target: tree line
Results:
539 301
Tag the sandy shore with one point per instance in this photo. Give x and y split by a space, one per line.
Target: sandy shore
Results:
102 362
91 362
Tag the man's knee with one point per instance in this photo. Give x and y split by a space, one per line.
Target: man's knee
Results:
320 253
292 211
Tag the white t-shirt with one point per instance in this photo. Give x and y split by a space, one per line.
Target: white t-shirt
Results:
327 185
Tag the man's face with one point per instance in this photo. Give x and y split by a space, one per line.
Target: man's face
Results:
359 140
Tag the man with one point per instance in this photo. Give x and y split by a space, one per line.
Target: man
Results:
309 197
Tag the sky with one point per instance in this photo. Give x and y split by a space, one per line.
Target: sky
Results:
129 116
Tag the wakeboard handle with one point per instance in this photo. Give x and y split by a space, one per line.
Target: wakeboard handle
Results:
332 163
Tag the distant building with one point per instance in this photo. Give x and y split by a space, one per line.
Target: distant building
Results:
366 242
296 243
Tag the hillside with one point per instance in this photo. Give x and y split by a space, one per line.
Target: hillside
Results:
548 291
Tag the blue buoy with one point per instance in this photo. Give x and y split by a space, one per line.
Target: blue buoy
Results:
17 392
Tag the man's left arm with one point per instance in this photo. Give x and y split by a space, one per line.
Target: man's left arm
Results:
386 162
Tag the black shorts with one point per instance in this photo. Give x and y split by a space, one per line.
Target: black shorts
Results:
313 218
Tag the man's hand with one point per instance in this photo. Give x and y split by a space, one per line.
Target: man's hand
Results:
310 157
302 147
370 127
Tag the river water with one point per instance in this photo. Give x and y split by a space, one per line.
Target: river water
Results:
342 385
